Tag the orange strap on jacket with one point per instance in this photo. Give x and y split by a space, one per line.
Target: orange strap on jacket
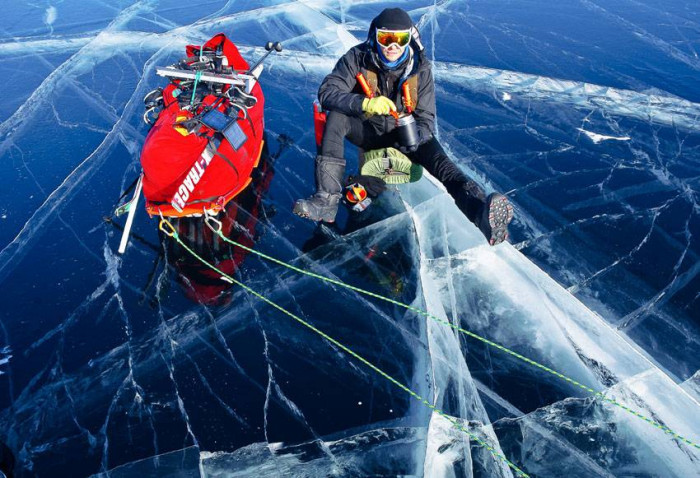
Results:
364 85
407 100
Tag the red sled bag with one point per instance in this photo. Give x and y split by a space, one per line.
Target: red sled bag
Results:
208 135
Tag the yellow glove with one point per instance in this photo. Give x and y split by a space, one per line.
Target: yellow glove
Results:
381 105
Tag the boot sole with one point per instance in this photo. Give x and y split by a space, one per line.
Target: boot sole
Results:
500 215
307 216
302 212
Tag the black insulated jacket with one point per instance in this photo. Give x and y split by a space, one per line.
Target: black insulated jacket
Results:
341 92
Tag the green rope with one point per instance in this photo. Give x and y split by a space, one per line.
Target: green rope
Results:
197 76
172 233
506 350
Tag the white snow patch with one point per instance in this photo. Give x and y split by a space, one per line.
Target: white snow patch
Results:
506 96
598 138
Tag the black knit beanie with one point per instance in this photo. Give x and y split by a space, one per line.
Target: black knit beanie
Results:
392 19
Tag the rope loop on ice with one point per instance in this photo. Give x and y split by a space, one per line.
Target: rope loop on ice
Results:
170 231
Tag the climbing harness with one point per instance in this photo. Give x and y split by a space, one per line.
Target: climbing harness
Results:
167 228
369 83
407 97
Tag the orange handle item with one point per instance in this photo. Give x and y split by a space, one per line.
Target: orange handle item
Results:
407 100
365 86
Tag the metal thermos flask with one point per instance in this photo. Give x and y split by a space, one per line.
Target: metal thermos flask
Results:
408 131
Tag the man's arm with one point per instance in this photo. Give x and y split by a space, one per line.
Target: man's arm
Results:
425 110
336 90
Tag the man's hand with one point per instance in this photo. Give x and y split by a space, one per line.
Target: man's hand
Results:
381 105
412 149
373 186
406 149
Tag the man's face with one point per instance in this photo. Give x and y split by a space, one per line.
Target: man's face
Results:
393 52
393 42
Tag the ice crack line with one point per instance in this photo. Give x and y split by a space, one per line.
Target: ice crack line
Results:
55 202
664 46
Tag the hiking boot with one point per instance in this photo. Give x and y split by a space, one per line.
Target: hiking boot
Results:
495 217
319 207
323 205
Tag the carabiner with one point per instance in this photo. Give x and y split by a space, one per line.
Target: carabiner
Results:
212 223
167 228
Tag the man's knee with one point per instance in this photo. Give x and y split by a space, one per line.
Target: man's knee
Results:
334 133
336 123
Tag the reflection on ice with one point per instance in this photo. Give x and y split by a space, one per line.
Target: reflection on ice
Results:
105 361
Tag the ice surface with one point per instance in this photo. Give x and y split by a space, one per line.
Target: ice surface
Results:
586 114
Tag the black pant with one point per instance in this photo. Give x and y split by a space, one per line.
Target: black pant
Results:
379 132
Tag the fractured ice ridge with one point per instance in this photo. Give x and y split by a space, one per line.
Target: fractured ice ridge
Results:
579 435
656 109
579 432
451 384
391 449
564 333
387 451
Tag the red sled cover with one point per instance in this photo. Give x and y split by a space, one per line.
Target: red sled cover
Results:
191 170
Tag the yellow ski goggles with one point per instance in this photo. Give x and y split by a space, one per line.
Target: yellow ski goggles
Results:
388 37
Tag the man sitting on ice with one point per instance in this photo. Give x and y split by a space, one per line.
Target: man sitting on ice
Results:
396 79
